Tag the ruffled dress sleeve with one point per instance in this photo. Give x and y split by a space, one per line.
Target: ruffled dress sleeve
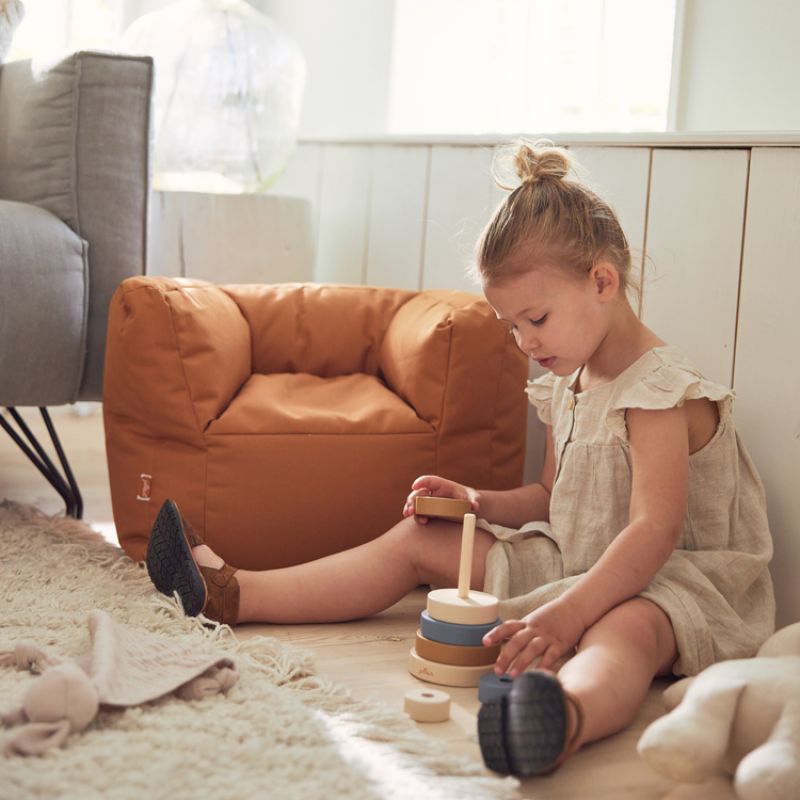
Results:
665 382
540 394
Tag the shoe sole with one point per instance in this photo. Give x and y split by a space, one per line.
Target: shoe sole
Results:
170 564
524 732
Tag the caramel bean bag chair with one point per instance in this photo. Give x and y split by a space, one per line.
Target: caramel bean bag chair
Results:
288 421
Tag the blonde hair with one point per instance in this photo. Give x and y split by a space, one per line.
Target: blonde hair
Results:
552 218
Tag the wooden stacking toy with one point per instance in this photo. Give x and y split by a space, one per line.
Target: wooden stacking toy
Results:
442 507
448 648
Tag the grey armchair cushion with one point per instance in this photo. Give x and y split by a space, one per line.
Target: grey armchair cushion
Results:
74 140
44 338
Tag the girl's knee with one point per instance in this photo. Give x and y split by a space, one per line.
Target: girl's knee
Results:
642 624
409 540
433 550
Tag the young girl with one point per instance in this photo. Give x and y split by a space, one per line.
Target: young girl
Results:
643 548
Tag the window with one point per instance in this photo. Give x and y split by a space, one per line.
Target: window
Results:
439 66
508 66
50 27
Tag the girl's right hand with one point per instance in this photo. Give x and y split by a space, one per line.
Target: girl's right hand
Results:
434 486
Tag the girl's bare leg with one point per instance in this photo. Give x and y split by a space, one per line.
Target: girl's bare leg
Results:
358 582
616 661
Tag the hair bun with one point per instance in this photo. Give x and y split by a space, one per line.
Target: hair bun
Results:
540 161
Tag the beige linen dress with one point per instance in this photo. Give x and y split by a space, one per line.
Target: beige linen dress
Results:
715 587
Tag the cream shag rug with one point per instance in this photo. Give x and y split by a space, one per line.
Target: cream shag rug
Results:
280 732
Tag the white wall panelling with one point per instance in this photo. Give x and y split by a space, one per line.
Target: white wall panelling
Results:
344 214
621 176
766 377
694 241
397 213
459 206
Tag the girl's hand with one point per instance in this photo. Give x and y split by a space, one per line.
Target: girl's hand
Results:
433 486
548 634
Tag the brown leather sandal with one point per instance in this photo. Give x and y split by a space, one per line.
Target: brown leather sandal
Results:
525 731
202 590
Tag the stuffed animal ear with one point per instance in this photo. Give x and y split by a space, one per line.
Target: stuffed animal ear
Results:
35 738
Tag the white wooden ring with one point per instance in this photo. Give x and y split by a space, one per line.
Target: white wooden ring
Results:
477 608
427 705
459 655
445 674
442 507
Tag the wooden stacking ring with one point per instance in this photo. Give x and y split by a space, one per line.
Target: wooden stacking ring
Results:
442 507
453 654
427 705
444 674
453 633
477 608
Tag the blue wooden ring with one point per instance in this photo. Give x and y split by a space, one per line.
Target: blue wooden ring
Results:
493 685
453 632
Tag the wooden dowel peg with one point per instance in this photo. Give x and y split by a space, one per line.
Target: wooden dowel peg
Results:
467 546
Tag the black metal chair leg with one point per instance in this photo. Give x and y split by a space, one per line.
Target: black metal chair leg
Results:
65 484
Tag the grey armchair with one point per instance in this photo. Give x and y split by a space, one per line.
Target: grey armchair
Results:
74 180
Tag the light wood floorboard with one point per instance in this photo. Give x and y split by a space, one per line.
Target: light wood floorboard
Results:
367 656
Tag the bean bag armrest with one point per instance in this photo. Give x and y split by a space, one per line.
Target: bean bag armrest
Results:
178 351
428 358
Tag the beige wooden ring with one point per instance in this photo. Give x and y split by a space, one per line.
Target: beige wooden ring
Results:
445 674
442 507
456 654
477 608
427 705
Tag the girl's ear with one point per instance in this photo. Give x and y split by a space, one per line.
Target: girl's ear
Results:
606 280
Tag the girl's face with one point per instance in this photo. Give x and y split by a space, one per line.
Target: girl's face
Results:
557 319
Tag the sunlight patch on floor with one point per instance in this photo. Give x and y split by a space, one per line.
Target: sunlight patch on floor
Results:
107 530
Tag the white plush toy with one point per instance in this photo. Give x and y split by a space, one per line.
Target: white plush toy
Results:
741 717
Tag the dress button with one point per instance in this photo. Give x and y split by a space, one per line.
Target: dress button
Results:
571 403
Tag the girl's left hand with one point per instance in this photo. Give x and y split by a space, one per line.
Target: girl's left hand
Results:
549 633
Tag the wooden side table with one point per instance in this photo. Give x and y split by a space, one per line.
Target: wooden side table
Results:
230 238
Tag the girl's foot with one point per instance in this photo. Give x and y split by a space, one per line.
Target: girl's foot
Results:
206 586
204 556
531 729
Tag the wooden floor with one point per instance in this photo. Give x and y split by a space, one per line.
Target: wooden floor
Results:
368 656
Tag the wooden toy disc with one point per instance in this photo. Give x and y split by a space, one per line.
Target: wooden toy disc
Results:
460 656
427 705
476 608
452 633
444 674
442 508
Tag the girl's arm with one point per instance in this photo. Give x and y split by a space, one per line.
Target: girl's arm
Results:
659 449
511 508
531 503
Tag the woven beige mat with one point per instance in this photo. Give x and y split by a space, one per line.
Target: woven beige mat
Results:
280 732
